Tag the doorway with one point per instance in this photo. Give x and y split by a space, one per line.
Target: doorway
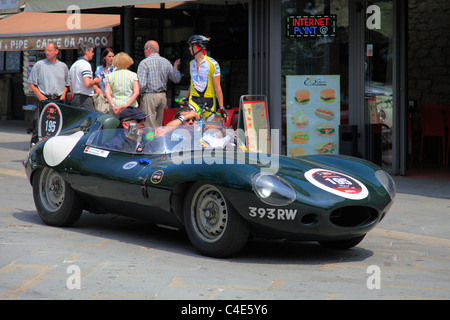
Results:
379 105
380 54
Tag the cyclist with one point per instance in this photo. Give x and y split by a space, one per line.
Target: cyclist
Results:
205 79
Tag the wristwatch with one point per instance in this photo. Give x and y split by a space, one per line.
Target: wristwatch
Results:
182 119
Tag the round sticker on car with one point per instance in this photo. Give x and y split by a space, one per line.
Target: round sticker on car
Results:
50 121
157 176
337 183
129 165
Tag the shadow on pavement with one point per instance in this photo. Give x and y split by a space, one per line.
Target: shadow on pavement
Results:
141 233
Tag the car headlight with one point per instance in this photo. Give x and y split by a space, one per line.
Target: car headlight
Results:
386 180
273 190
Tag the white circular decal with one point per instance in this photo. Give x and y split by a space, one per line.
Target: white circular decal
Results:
337 183
50 121
129 165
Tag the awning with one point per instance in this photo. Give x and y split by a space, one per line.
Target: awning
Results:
33 30
64 5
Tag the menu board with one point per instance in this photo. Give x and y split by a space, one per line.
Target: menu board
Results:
313 114
256 125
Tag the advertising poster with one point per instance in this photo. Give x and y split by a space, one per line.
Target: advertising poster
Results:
313 114
256 122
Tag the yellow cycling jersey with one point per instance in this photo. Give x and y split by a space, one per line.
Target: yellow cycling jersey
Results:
202 87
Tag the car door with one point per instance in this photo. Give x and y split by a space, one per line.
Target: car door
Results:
116 181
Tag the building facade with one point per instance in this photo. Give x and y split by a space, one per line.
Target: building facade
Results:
339 76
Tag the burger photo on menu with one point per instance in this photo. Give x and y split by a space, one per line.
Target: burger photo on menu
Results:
300 119
302 96
324 130
328 95
299 137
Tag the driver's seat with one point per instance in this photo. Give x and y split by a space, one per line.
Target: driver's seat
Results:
108 122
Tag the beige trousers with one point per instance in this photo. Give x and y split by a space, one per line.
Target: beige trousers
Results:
153 104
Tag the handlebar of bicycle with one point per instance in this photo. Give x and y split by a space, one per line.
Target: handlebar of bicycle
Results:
203 108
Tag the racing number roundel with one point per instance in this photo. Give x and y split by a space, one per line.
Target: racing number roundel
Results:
50 121
337 183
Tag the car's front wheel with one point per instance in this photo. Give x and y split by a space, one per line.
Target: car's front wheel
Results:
212 224
56 202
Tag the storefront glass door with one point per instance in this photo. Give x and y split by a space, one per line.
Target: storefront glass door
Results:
315 79
379 102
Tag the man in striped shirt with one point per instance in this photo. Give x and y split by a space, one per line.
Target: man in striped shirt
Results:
81 78
153 73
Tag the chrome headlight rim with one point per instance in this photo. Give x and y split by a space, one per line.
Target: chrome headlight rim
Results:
273 190
387 182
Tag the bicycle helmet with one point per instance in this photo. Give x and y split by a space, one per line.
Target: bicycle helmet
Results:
198 40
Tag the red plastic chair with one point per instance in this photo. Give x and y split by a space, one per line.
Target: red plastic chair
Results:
169 113
432 125
232 118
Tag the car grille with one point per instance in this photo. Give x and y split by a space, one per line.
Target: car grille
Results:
356 216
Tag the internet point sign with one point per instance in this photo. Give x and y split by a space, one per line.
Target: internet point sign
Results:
311 26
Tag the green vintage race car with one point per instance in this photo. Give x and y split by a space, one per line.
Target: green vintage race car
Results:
202 179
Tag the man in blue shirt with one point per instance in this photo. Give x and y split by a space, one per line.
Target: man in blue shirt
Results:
153 74
127 140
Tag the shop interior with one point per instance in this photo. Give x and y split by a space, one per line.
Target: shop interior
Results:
428 89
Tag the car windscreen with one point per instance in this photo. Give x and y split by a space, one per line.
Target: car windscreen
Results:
167 139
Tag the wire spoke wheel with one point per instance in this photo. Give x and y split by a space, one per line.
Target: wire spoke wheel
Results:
212 224
209 213
51 190
56 202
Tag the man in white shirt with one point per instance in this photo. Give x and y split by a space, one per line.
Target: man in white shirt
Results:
81 77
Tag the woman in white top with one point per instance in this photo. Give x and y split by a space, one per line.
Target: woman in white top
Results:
102 71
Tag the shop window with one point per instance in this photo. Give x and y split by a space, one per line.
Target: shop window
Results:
10 61
314 74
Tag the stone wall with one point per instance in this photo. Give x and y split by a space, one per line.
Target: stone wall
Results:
429 52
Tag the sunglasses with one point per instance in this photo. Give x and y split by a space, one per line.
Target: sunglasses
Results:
137 120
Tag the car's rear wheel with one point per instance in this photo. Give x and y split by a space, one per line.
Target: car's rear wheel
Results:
56 202
342 244
212 224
